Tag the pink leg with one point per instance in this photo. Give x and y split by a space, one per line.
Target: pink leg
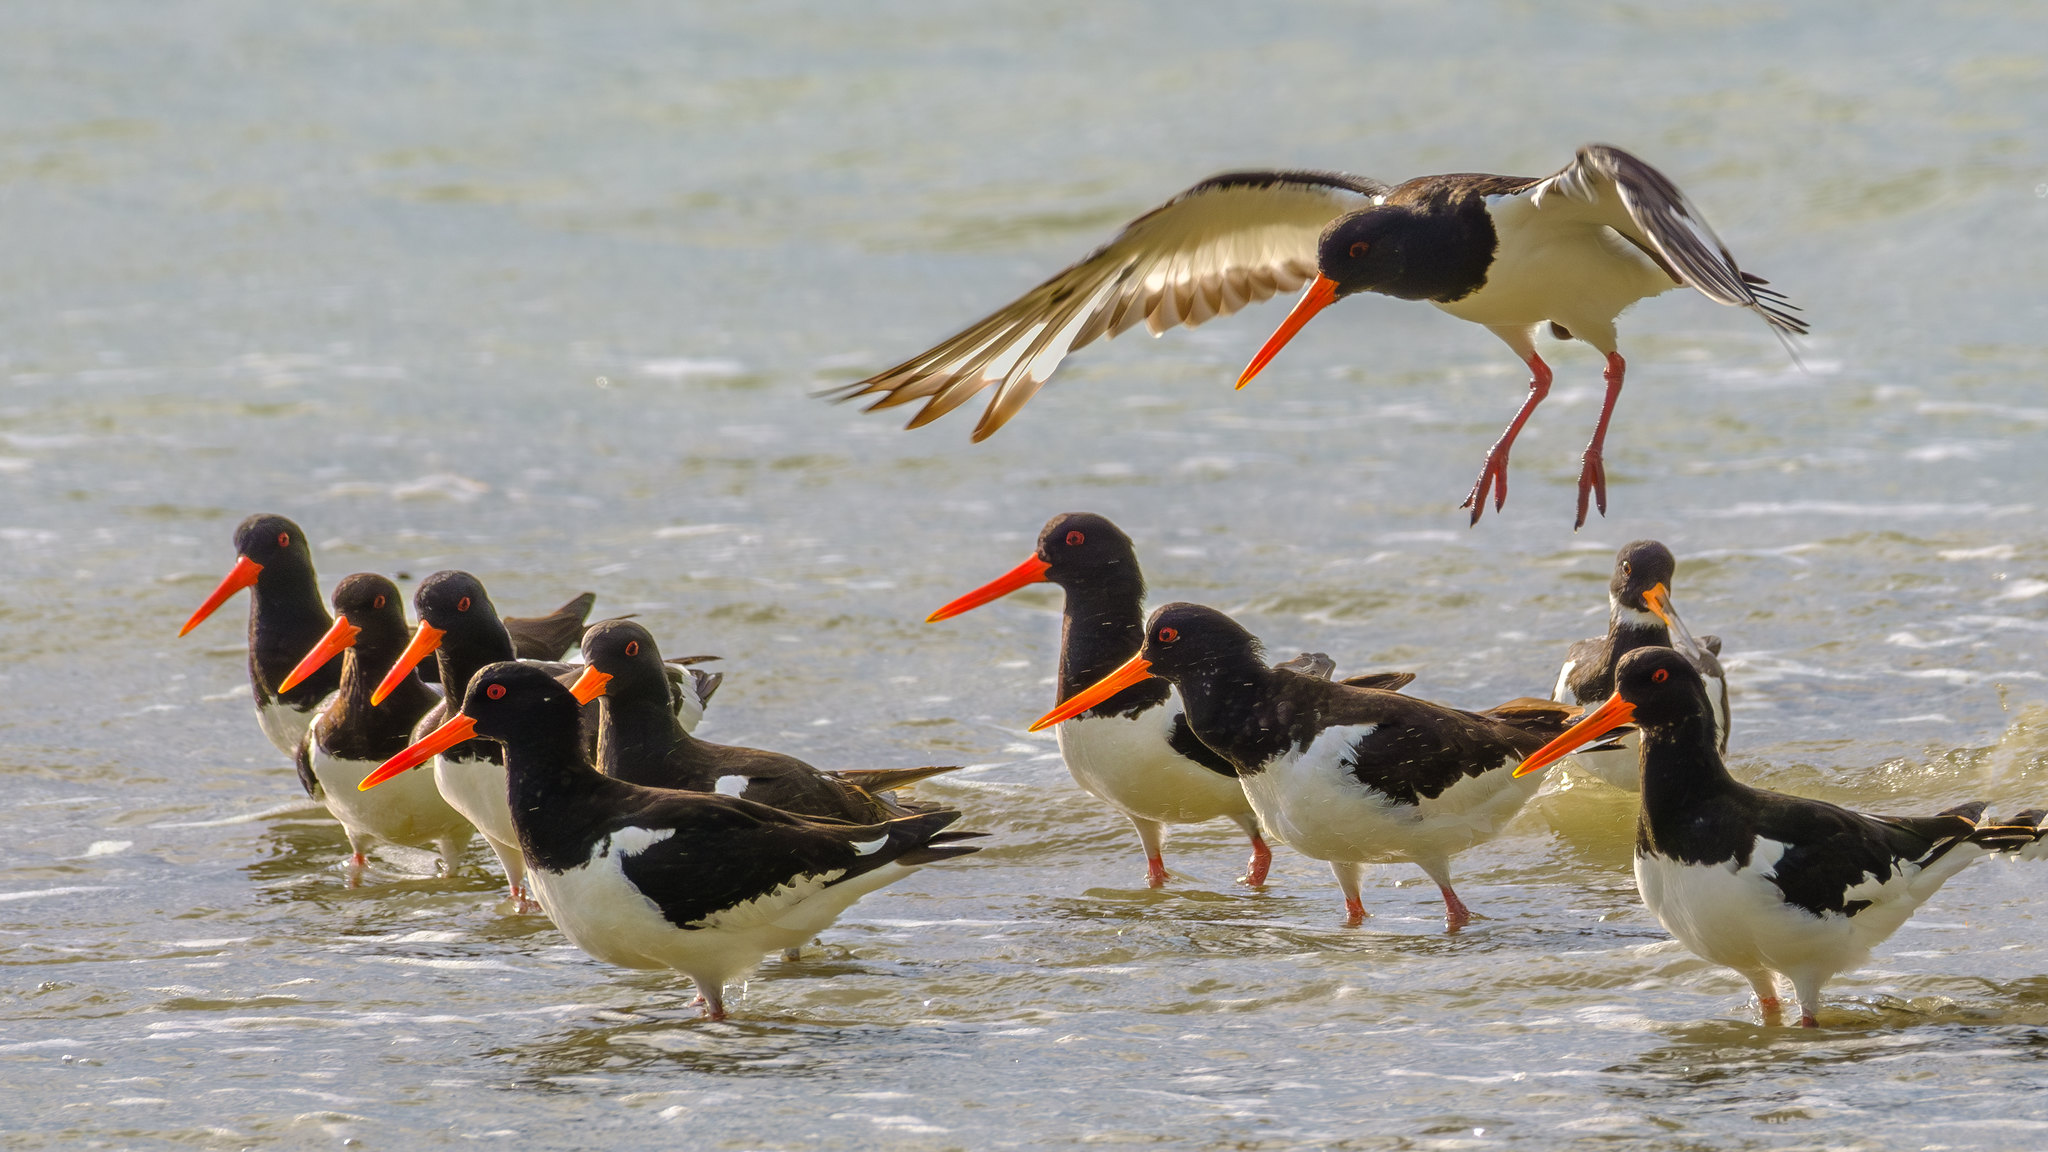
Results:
1155 872
714 1004
1456 915
1496 466
1808 1022
1354 911
1593 470
1261 863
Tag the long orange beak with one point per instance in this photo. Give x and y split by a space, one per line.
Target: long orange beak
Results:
1659 600
424 641
590 685
1320 295
1136 670
419 752
1031 571
339 638
1604 719
242 575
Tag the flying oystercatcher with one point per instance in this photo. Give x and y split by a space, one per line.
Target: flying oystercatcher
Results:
1639 615
656 878
1759 881
350 737
1345 774
1134 750
1571 250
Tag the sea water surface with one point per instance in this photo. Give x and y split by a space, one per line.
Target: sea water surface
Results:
546 292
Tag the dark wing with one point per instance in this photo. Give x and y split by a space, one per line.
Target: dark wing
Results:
1606 185
549 637
1232 240
1190 747
1384 681
1830 850
886 779
1414 749
738 862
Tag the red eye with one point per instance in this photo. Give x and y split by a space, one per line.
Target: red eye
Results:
1075 539
284 539
1660 675
632 647
377 603
1168 635
1625 569
495 691
1358 250
462 605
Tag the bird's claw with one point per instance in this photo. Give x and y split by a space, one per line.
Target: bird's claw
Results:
1592 482
1494 470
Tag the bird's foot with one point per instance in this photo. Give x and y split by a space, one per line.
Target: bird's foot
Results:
1354 912
1456 915
1593 483
1155 872
1493 478
1807 1021
1261 863
1772 1011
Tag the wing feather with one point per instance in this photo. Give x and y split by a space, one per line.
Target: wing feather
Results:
1613 187
1230 241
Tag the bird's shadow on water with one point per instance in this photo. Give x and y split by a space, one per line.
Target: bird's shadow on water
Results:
303 859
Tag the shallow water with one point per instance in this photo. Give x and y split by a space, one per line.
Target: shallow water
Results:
544 294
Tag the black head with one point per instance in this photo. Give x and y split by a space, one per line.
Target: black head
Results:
1184 641
1662 687
1639 567
1084 548
513 702
1367 250
626 652
373 604
453 601
274 542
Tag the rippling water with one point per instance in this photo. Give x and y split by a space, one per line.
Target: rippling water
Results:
544 293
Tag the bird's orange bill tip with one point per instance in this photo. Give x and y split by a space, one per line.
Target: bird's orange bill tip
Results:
424 641
242 575
1320 295
1602 720
590 685
1134 671
1031 571
339 638
1659 600
422 750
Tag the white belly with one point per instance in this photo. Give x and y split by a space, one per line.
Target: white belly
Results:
1581 275
477 789
601 912
1309 801
1129 765
408 810
286 726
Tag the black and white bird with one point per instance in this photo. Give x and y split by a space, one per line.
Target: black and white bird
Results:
641 740
1762 882
1133 750
1571 250
1344 774
461 629
655 878
287 617
350 736
1639 615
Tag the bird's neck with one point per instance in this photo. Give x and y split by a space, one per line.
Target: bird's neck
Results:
1234 709
1447 243
637 728
461 655
556 797
352 728
286 618
1103 627
1682 777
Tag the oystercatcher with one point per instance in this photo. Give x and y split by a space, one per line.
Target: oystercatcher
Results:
1345 774
655 878
287 617
350 737
641 741
1513 253
1639 615
1759 881
460 628
1134 750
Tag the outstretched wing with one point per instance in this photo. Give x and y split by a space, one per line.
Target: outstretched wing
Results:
1606 185
1232 240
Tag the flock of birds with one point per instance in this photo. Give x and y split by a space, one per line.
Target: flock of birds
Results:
649 848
